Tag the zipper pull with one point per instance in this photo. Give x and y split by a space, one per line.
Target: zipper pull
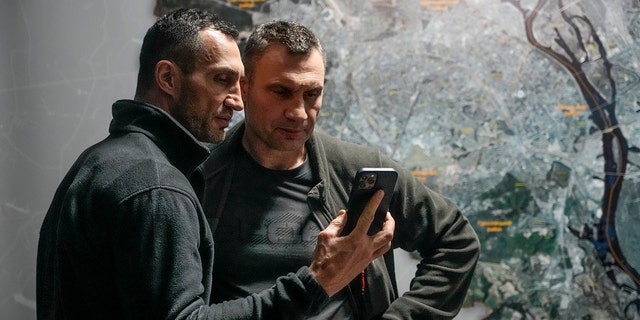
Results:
363 282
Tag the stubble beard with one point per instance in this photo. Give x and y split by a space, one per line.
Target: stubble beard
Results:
202 129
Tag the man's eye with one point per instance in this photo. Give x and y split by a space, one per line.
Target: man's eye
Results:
223 79
281 92
313 94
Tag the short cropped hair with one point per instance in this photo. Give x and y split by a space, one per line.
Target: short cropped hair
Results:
175 37
298 40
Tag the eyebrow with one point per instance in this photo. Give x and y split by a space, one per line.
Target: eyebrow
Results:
226 70
289 87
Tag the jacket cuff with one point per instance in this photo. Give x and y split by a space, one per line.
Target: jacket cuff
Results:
318 298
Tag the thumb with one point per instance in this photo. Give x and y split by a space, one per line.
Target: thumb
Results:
336 225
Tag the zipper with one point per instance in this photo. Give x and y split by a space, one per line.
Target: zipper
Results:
356 289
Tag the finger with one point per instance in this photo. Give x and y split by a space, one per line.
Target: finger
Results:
385 235
389 225
336 225
382 250
367 215
383 240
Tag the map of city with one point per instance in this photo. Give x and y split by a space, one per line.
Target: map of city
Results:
525 112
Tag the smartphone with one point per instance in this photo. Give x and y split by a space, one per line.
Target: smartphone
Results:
366 182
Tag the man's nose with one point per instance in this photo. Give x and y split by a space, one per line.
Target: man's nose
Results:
296 109
234 99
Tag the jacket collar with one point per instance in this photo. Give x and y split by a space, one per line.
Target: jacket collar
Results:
181 148
224 153
222 159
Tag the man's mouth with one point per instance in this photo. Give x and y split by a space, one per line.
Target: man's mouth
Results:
223 120
292 132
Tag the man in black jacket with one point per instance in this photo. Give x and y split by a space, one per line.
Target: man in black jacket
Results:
125 236
275 181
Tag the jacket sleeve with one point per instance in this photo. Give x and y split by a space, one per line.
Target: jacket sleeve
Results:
293 297
163 255
448 245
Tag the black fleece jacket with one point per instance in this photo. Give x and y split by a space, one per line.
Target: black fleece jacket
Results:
126 238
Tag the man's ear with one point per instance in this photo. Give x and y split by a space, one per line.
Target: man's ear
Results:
167 76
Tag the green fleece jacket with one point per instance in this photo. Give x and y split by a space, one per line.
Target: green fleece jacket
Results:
425 221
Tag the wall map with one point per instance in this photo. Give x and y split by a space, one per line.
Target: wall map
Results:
524 112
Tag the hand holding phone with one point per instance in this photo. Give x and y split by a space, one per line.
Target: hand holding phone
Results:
338 259
366 182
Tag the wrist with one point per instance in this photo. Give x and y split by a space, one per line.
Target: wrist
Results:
316 271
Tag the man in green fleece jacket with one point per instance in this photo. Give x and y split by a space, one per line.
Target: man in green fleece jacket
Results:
274 183
126 237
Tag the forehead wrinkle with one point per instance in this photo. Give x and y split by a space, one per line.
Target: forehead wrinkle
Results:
295 69
210 55
211 49
219 54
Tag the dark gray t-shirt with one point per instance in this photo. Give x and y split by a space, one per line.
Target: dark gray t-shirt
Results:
266 231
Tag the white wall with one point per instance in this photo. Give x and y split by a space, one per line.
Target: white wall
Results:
63 63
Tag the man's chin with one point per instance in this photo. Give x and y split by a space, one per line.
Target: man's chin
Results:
216 140
212 138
